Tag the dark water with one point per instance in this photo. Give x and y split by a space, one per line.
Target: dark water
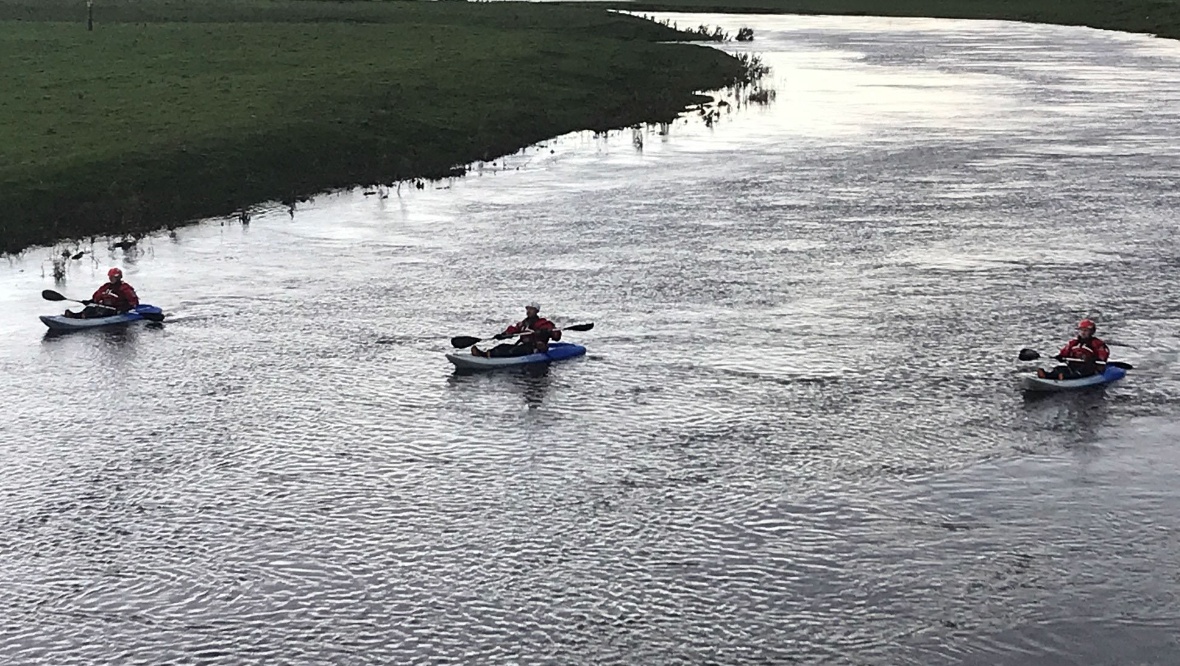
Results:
797 437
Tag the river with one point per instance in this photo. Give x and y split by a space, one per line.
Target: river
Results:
797 436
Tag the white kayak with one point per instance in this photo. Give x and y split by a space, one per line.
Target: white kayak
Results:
60 323
1045 384
557 351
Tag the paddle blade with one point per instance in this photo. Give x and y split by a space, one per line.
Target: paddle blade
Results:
51 295
461 341
1028 355
152 316
579 327
1120 364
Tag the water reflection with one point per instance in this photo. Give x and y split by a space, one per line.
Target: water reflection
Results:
115 337
1079 414
530 382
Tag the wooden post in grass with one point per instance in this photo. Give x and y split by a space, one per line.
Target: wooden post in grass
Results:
89 15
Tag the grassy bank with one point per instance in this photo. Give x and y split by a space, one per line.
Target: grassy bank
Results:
1158 17
172 110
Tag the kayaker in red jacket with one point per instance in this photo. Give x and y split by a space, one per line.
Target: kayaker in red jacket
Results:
1083 356
535 333
114 297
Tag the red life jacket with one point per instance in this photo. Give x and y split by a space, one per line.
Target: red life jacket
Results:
547 328
1088 350
121 296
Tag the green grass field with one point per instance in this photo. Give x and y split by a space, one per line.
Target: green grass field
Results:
1158 17
170 111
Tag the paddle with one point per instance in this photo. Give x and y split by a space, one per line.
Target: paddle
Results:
461 341
1032 355
51 295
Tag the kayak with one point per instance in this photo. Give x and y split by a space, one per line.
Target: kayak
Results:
558 351
1110 374
60 323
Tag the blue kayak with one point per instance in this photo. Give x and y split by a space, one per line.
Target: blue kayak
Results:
1045 384
558 351
60 323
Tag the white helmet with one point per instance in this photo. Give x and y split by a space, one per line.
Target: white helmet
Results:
534 305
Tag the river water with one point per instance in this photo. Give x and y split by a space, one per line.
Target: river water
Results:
797 437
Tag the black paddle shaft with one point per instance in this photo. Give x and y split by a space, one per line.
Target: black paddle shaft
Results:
1032 355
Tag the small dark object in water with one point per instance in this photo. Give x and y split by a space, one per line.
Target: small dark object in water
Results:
762 96
78 255
745 34
125 244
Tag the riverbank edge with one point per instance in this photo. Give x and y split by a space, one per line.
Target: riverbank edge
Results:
153 205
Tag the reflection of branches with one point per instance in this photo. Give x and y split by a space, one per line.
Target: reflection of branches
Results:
761 96
753 68
59 270
753 71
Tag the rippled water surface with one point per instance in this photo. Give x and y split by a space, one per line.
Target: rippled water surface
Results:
797 436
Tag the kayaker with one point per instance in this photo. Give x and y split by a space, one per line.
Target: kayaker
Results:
1085 355
535 333
114 297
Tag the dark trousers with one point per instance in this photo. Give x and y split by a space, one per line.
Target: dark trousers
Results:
510 350
92 311
522 347
1072 371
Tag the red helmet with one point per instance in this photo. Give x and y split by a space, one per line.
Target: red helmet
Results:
114 273
1087 323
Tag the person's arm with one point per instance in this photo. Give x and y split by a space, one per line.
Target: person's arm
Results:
130 296
510 331
1101 351
551 328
